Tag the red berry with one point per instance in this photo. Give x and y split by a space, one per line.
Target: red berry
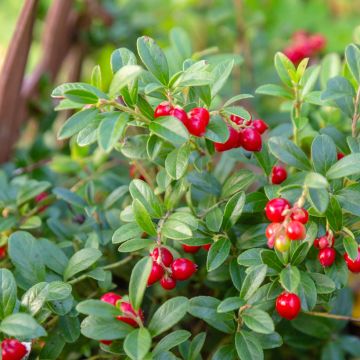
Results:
282 243
163 109
295 230
190 249
231 143
134 173
198 121
168 283
180 114
250 139
317 42
40 197
300 214
316 243
272 229
278 174
340 155
106 342
327 256
206 247
110 298
260 125
157 272
182 269
12 349
353 265
2 252
166 256
274 209
129 313
288 305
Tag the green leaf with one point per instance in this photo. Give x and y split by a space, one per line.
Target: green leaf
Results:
98 308
81 261
181 43
30 189
126 232
348 165
170 129
233 210
104 328
177 230
121 57
143 218
168 314
153 58
214 219
274 90
351 247
258 321
309 79
205 308
307 292
238 181
352 56
170 341
59 91
250 257
324 284
349 198
285 69
221 73
350 344
177 161
270 259
135 147
319 199
137 344
34 299
217 130
334 214
76 123
323 153
237 98
111 129
8 293
53 257
290 278
270 341
22 326
299 254
96 78
238 111
123 77
287 152
25 254
330 67
69 196
247 346
230 304
218 253
315 181
81 96
135 244
138 281
252 281
142 192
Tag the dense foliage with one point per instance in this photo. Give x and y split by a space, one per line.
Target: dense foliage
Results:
229 234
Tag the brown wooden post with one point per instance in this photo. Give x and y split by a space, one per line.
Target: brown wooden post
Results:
12 104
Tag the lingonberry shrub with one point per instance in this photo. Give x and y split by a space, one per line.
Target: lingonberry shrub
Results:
169 223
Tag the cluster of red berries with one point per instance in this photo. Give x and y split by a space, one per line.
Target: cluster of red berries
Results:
129 316
278 174
353 265
325 244
248 135
196 121
167 270
12 349
192 249
304 45
288 305
288 223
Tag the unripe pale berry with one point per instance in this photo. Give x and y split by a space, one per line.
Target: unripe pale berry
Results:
156 273
168 283
274 209
183 269
295 230
288 305
327 256
166 256
282 243
300 214
353 265
12 349
190 249
278 174
163 109
250 139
